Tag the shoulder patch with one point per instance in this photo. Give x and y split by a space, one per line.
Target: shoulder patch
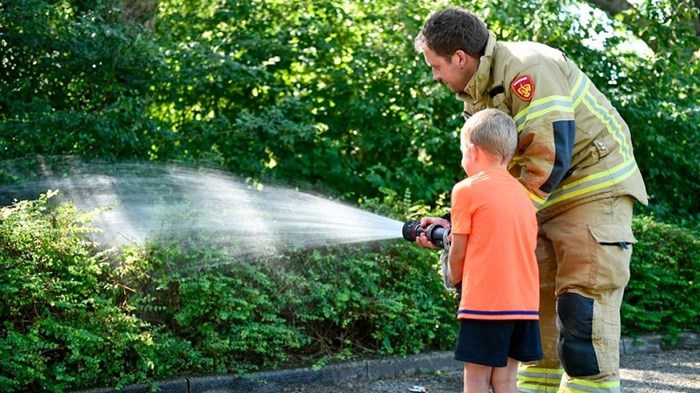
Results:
523 87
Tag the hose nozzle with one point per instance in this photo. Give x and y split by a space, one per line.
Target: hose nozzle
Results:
437 234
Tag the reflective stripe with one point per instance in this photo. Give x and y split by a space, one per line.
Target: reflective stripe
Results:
611 123
530 388
546 105
592 183
538 380
542 107
603 179
573 385
546 380
536 199
580 89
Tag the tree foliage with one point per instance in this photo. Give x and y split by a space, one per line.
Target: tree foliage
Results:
327 94
73 80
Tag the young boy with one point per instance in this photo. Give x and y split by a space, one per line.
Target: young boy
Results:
492 258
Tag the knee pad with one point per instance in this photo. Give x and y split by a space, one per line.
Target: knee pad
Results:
575 345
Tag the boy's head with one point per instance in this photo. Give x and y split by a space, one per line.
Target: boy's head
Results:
489 138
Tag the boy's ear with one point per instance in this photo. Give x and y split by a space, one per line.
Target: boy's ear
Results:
474 151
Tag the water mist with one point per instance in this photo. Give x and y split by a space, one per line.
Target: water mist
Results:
147 200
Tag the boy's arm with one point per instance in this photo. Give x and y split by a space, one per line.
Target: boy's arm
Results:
458 251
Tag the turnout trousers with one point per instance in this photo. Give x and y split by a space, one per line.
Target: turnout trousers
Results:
584 257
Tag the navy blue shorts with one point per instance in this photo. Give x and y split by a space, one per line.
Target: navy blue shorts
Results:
491 343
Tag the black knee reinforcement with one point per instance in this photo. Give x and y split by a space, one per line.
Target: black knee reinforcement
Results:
575 346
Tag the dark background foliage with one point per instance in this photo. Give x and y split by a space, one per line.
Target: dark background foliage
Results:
331 95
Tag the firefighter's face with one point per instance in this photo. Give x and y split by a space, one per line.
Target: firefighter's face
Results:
454 71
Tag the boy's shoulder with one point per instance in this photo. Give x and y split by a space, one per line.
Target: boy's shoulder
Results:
468 182
480 177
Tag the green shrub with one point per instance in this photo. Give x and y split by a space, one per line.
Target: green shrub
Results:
60 327
383 298
663 292
226 309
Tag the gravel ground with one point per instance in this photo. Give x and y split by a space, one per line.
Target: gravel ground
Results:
675 371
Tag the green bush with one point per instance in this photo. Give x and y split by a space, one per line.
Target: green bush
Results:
61 329
226 309
663 292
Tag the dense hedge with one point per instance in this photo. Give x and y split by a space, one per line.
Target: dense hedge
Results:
76 317
664 289
61 325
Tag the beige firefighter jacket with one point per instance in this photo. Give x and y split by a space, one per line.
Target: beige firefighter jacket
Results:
573 145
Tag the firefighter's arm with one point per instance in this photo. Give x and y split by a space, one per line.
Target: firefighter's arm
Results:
546 128
543 157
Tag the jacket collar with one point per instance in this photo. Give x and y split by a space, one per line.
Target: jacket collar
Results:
479 84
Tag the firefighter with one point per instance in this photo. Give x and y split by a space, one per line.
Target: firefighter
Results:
575 159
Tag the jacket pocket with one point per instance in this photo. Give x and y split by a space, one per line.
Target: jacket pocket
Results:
613 251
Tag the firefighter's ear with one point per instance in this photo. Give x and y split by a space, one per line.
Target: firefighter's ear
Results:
461 57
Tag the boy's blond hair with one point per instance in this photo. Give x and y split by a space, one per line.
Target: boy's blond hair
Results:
492 131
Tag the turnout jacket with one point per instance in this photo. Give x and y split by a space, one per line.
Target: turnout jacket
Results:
574 146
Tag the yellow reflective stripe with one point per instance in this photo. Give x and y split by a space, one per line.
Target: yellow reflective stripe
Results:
580 94
614 127
585 386
542 107
536 200
580 89
546 105
538 380
592 183
539 371
529 388
603 179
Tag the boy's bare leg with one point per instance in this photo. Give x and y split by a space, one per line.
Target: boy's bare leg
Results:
477 378
503 379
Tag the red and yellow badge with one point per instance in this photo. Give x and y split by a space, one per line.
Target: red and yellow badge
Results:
523 87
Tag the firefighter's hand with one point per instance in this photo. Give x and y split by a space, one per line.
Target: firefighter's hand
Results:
425 222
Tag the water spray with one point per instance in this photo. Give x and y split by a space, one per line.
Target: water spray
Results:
147 201
152 201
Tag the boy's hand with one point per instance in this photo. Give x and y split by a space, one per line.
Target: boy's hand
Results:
425 222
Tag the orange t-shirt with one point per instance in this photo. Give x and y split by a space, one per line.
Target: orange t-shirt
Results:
500 277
